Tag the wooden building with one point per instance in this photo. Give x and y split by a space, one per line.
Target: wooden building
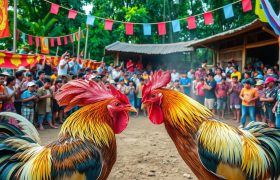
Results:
248 44
173 55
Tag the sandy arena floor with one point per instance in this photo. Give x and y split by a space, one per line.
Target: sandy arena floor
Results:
145 151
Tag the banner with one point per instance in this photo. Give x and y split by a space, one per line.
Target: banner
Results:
45 46
4 24
260 12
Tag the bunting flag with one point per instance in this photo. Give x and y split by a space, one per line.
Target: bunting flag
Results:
77 36
147 29
272 17
176 26
246 5
30 40
4 23
23 37
162 28
128 28
108 24
52 42
90 20
72 14
13 61
58 41
37 41
191 22
71 38
65 40
45 45
228 11
208 18
82 34
74 36
54 8
260 12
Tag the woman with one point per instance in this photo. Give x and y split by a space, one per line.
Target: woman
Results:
130 93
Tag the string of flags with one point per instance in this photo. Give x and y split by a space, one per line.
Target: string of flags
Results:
161 26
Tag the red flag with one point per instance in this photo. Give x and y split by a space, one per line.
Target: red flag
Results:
71 38
72 14
54 8
208 18
30 40
17 34
58 41
77 36
52 42
129 28
65 40
108 24
161 28
246 5
191 22
4 24
37 41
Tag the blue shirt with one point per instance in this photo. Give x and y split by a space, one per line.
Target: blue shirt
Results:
74 67
186 81
27 94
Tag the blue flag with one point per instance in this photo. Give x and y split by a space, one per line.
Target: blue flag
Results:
228 11
90 20
176 26
23 37
147 28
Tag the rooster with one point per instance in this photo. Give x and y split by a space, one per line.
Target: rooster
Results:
212 149
86 146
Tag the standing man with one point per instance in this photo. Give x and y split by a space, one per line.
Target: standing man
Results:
74 65
186 84
63 65
28 102
221 94
174 75
130 66
209 88
3 95
40 81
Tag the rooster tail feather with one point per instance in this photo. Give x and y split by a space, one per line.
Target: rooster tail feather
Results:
27 127
269 139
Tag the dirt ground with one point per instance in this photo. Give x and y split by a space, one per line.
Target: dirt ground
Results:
145 151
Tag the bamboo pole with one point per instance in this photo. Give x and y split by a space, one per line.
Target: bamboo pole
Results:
79 40
57 47
15 27
86 45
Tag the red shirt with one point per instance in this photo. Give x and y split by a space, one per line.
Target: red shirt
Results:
200 90
222 89
129 66
139 66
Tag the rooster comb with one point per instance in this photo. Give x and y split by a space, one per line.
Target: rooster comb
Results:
82 93
158 80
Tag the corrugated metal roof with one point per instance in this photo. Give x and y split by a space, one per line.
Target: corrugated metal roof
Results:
152 49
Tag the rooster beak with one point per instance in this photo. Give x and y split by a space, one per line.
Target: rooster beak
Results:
144 106
131 109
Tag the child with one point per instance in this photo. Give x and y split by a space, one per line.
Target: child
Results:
221 94
29 98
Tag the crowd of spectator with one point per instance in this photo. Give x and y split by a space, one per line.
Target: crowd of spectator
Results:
254 93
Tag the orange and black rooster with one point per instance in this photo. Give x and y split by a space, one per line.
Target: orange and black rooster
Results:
86 147
212 149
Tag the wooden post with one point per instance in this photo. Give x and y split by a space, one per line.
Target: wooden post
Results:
15 28
79 40
244 53
57 47
116 59
85 54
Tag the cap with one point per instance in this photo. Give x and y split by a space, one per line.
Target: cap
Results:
30 84
22 68
269 80
29 74
121 79
5 73
260 82
259 76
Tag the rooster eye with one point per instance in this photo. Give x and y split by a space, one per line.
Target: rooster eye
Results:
117 104
153 95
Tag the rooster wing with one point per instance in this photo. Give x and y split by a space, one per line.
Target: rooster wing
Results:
231 153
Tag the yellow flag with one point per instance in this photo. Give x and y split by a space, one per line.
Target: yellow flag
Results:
45 45
260 12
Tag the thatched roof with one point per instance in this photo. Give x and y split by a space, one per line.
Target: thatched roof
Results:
150 49
229 34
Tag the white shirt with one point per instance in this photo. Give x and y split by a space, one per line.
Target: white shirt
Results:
116 74
62 71
174 76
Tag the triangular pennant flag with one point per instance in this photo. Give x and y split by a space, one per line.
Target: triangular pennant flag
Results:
72 14
246 5
208 18
30 40
52 42
108 24
71 38
191 22
54 8
161 28
128 28
23 37
147 29
37 41
65 40
228 11
77 36
90 20
176 26
58 41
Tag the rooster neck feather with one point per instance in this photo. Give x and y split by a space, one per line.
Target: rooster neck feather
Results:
91 122
183 113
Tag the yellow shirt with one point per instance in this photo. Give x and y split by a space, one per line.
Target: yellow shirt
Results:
237 73
54 77
248 94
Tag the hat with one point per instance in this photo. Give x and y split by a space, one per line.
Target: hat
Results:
259 76
29 74
5 73
269 80
21 68
30 84
121 79
260 82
